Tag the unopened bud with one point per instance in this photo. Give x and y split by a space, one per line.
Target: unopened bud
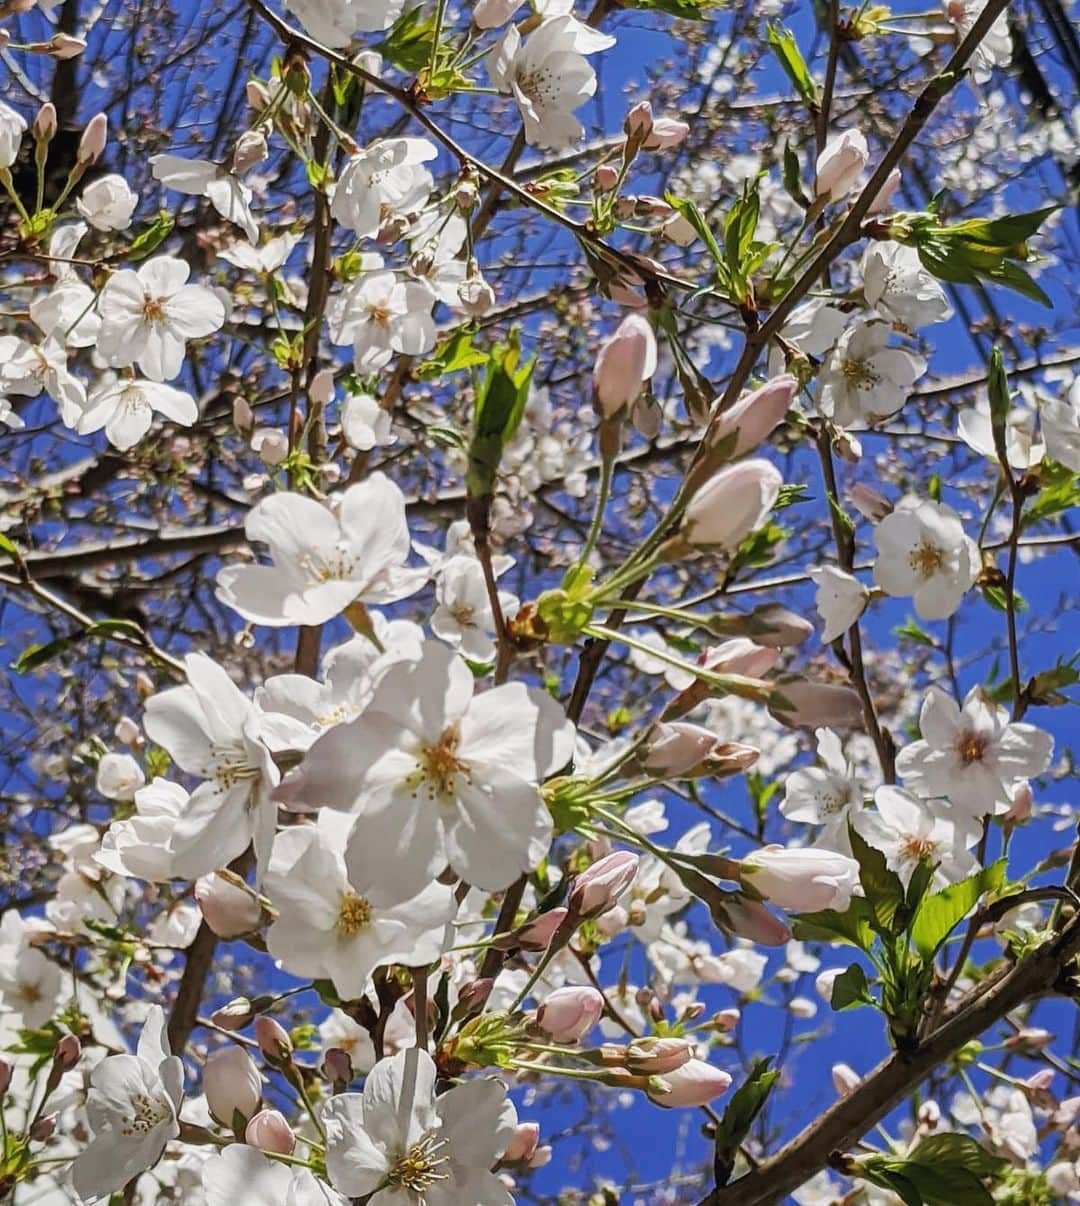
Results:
569 1013
64 46
638 124
234 1016
870 503
666 132
473 996
797 702
5 1076
270 445
337 1067
66 1053
269 1131
696 1083
93 140
653 1056
321 390
43 1128
258 95
725 1020
250 149
845 1079
536 934
127 731
605 178
273 1040
229 910
523 1142
45 122
600 885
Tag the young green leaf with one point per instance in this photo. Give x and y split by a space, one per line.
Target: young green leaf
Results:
940 912
745 1105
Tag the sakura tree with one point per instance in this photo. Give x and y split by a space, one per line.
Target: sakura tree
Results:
537 550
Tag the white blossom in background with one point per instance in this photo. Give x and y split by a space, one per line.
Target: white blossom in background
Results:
365 424
385 180
840 599
334 22
1060 419
67 314
133 1107
12 128
379 314
406 1147
923 551
324 557
239 1175
125 409
995 50
464 617
199 178
897 285
147 316
327 928
827 795
908 830
30 369
548 76
30 982
141 844
1022 445
212 730
864 379
972 756
437 775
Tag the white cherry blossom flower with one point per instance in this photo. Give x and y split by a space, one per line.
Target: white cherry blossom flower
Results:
1023 448
404 1146
385 180
31 369
365 424
908 830
12 128
30 983
148 315
972 756
463 617
140 846
200 178
67 314
864 379
240 1175
924 552
263 260
824 795
333 22
840 599
108 203
995 48
323 558
548 77
339 1030
380 314
125 408
133 1108
1060 419
328 929
899 287
211 730
436 775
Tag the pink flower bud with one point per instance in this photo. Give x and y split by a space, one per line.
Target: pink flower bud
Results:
740 655
731 504
666 132
569 1013
473 996
273 1040
43 1128
726 1020
270 1132
537 933
751 920
250 149
600 885
753 417
653 1056
684 751
321 390
66 1053
798 703
885 193
803 880
234 1016
1021 802
870 503
625 362
542 1156
490 14
64 46
45 122
270 445
127 732
840 164
639 122
776 626
605 178
93 140
616 919
258 96
5 1076
337 1067
232 1084
845 1079
228 910
523 1143
1030 1039
696 1083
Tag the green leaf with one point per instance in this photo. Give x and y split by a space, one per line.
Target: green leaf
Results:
940 912
152 237
853 927
687 10
35 656
792 175
6 546
409 41
942 1170
1005 232
452 355
500 404
912 632
998 388
782 43
850 988
883 888
1060 492
743 1107
697 220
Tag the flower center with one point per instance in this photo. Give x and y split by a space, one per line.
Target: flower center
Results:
917 847
971 747
354 914
322 566
418 1169
230 764
536 85
464 614
146 1113
858 374
926 559
438 766
153 308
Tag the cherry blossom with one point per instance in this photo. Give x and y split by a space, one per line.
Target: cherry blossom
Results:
864 379
908 830
924 552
